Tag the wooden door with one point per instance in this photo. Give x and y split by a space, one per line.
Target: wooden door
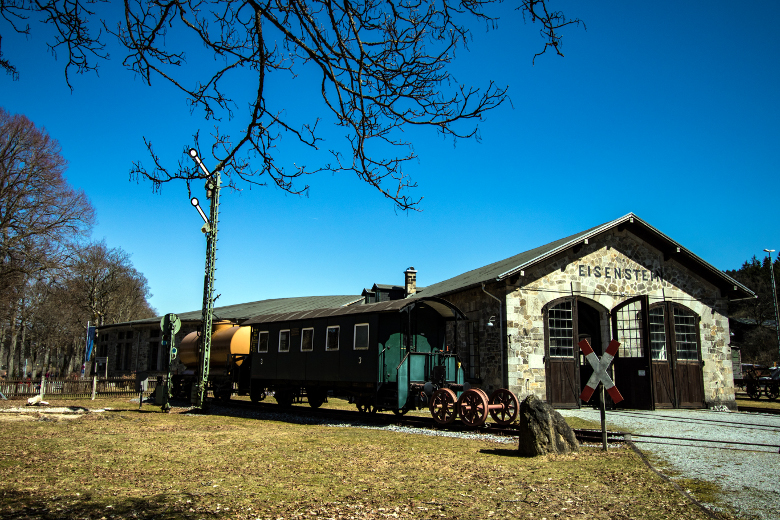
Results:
561 357
632 363
686 358
662 379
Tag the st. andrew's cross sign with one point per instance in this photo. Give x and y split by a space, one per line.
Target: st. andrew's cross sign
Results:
600 374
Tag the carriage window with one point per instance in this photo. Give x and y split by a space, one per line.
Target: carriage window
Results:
361 336
332 338
307 340
629 330
262 341
561 327
685 335
657 334
284 340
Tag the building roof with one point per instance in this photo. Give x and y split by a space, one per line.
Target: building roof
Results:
512 266
244 311
446 309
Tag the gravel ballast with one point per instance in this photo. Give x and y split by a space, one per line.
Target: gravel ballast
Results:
748 475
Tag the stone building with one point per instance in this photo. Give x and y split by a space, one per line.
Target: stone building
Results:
623 280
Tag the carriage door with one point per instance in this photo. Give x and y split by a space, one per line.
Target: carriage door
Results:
632 363
686 358
561 367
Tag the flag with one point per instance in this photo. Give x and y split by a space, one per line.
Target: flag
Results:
90 341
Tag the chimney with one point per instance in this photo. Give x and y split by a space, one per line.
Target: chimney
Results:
410 281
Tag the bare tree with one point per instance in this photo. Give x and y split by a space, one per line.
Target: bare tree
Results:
40 213
382 68
103 283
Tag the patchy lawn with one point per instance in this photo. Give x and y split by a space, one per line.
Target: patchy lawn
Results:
143 465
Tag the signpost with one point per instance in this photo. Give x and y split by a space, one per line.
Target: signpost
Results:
600 379
170 325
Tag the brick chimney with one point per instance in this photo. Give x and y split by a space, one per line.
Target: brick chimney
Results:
410 281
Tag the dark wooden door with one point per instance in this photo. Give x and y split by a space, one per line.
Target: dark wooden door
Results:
686 358
632 363
561 358
662 379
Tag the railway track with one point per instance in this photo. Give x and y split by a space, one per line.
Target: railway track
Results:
584 436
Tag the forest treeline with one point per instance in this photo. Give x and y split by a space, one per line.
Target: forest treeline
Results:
53 279
756 333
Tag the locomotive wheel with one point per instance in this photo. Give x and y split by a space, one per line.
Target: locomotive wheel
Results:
443 406
772 391
753 391
473 407
510 403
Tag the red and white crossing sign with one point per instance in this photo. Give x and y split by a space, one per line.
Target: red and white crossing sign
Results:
600 374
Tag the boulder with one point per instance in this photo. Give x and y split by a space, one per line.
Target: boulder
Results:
32 401
543 430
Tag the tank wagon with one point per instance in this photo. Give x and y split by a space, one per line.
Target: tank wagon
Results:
384 356
228 363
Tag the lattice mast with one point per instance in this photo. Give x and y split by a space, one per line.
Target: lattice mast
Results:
213 182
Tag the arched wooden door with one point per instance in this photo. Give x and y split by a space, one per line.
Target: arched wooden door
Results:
686 357
561 357
633 374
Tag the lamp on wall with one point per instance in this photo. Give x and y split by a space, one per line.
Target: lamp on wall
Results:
490 321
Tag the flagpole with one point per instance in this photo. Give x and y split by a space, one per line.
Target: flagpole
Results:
86 346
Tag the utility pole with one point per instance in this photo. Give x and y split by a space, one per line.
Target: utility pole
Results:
774 297
210 229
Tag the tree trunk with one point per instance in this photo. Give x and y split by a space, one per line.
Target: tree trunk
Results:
12 348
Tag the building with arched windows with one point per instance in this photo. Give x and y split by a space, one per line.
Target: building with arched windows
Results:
623 280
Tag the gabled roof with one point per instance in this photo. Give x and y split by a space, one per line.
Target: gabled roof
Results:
446 309
243 311
506 268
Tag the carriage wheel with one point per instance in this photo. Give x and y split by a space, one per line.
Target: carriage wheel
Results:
443 406
256 393
508 414
753 391
473 407
772 391
366 408
400 411
284 397
316 396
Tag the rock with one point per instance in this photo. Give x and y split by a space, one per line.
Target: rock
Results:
34 400
543 430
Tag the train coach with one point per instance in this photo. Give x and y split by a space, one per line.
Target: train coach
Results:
391 355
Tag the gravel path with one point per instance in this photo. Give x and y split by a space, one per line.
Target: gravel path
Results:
749 475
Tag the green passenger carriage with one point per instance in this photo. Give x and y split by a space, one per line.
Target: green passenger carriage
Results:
392 355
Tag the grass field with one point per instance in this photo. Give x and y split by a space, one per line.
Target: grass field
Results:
126 464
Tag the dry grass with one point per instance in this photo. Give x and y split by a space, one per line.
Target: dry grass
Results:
126 464
744 401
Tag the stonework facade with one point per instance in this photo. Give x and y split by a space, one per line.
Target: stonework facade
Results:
611 269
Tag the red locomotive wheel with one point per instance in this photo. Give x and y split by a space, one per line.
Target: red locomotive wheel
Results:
511 406
473 407
443 406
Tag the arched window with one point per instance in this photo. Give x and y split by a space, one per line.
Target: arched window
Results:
560 322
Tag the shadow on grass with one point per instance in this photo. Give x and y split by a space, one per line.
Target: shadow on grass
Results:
503 452
23 505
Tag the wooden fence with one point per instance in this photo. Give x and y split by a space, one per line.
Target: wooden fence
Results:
111 387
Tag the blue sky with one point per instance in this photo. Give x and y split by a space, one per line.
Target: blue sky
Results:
669 110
